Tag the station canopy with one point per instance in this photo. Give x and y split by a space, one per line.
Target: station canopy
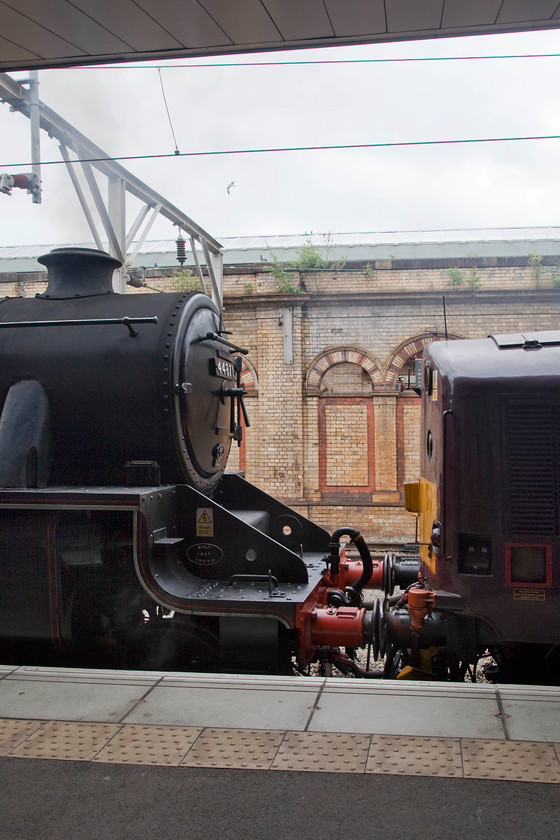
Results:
61 33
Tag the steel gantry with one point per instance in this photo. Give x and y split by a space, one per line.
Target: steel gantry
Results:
122 243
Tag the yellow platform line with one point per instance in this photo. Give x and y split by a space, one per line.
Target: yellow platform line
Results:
191 746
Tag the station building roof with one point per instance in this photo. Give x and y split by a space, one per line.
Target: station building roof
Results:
69 32
348 247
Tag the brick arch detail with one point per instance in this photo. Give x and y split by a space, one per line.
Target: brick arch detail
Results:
249 377
408 350
336 356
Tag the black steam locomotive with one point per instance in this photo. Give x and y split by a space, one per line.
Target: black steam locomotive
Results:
122 540
124 543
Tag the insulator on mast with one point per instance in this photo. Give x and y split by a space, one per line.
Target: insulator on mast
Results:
29 181
181 252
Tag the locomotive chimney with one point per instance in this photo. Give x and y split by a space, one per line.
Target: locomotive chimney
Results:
78 272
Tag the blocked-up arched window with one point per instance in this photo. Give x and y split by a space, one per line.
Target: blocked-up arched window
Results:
347 378
344 378
346 446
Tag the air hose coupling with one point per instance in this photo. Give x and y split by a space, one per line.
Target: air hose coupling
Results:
353 593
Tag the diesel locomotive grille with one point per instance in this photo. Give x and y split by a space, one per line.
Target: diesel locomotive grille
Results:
533 448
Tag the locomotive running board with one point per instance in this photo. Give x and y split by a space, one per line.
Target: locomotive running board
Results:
275 580
229 562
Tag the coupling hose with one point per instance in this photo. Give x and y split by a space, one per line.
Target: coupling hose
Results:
352 592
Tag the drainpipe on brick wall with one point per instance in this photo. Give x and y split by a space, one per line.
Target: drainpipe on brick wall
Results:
287 320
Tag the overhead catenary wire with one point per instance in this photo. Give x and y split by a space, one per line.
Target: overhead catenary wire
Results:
176 152
318 148
317 62
287 149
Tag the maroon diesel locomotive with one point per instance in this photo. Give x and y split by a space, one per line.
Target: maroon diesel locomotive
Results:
488 505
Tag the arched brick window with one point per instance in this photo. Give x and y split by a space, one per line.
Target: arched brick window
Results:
398 373
346 378
409 350
343 378
340 356
249 378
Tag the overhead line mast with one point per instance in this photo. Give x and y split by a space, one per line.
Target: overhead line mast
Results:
205 249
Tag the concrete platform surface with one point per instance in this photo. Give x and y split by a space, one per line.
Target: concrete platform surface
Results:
281 723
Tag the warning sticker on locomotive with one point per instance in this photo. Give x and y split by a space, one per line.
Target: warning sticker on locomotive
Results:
525 594
434 386
204 522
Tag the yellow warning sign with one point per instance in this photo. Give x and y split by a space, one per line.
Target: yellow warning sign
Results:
434 386
204 522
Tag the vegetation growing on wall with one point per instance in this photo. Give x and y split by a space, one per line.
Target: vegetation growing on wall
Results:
455 275
310 257
284 274
555 274
535 261
186 280
541 272
459 278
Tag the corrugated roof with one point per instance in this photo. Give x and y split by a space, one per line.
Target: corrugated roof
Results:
380 245
41 34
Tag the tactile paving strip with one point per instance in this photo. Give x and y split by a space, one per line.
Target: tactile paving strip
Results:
235 748
323 752
524 761
136 744
414 756
67 741
521 761
14 732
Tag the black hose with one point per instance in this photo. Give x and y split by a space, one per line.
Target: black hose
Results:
348 666
334 546
367 562
352 592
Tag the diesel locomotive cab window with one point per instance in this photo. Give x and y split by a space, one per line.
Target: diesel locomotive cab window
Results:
429 445
428 378
475 555
530 565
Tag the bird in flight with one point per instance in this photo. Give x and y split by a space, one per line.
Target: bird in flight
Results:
229 186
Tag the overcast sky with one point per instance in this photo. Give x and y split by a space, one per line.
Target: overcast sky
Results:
223 108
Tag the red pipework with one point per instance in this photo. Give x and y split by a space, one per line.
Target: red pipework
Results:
349 571
343 626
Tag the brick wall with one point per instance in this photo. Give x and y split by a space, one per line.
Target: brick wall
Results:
337 413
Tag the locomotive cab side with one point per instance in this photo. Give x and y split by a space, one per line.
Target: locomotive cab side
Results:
487 500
